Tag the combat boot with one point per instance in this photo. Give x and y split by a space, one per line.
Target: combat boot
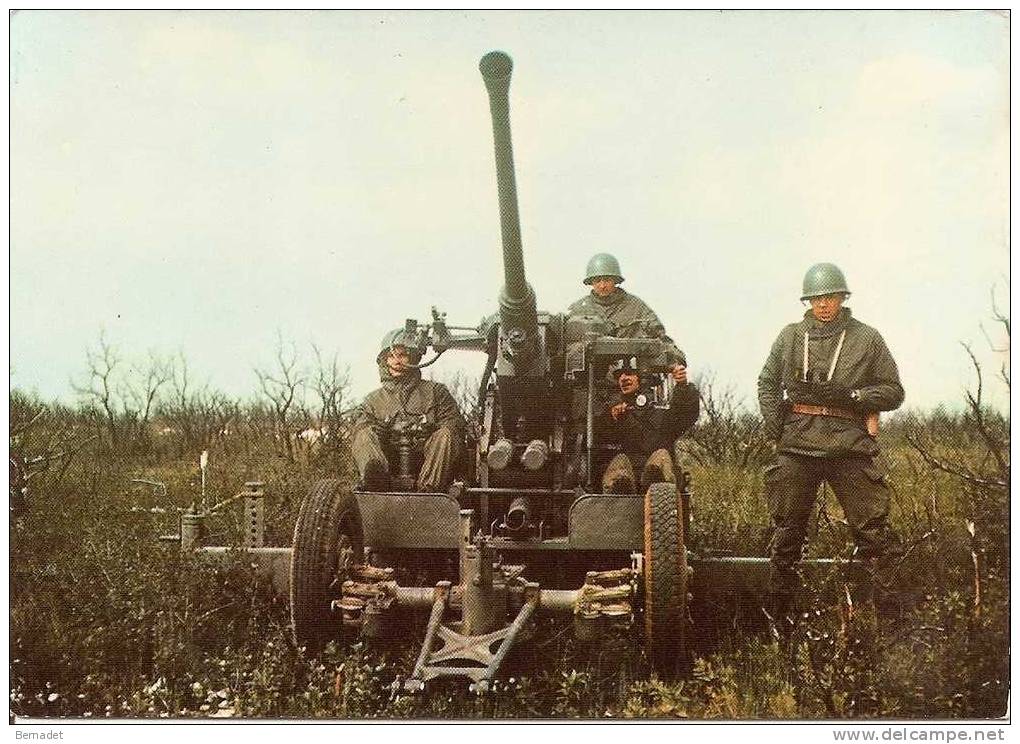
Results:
887 579
785 582
784 616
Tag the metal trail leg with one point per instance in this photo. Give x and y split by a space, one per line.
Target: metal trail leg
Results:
467 656
483 684
416 683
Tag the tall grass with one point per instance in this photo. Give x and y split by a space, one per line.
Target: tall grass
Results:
108 621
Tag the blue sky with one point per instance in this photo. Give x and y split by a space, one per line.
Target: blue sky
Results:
196 182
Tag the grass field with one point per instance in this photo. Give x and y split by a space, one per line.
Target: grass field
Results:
106 621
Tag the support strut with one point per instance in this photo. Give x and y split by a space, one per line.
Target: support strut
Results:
475 647
468 656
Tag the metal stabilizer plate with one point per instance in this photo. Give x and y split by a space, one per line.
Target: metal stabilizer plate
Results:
447 653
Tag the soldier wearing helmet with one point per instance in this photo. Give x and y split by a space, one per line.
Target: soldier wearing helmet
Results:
406 405
627 315
820 391
643 431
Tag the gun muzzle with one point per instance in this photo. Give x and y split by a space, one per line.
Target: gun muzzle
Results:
518 516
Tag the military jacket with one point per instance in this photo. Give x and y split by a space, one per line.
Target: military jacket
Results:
410 397
627 316
863 364
644 429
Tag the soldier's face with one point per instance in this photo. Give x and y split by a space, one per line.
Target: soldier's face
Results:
398 361
603 286
826 307
628 382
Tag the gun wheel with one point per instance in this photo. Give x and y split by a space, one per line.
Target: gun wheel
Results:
327 539
665 577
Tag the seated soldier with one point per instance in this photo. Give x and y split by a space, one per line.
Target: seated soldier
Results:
646 433
407 406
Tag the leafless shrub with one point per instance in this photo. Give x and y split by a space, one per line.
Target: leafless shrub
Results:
197 415
284 388
125 396
44 438
981 466
726 432
139 393
99 390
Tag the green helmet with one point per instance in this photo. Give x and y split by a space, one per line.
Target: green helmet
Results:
824 279
399 337
602 264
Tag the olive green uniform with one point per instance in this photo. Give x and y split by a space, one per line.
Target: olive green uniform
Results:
646 436
627 316
409 397
813 448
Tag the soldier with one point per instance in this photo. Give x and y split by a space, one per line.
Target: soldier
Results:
407 405
627 315
822 386
645 432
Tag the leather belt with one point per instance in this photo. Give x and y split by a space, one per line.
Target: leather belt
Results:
826 411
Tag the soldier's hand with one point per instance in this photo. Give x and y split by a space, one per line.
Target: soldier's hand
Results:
834 393
679 374
618 410
802 392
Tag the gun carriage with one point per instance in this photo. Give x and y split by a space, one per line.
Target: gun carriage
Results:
523 529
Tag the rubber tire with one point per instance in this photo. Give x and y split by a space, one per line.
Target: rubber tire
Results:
328 515
665 578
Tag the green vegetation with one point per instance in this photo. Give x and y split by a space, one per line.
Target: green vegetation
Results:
108 621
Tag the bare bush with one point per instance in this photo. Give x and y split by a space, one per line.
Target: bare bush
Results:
726 432
198 415
981 466
100 388
284 388
139 395
44 438
124 396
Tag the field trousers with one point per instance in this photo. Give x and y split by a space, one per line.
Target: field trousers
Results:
440 454
791 485
619 476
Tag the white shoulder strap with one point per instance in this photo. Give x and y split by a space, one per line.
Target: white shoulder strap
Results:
835 355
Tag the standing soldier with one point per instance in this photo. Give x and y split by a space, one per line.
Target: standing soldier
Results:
820 391
409 406
627 315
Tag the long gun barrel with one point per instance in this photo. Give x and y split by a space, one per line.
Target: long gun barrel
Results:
518 317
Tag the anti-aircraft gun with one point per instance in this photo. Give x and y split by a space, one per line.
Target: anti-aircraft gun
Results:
523 529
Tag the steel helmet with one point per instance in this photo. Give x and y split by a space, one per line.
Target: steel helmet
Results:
602 264
399 337
824 279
